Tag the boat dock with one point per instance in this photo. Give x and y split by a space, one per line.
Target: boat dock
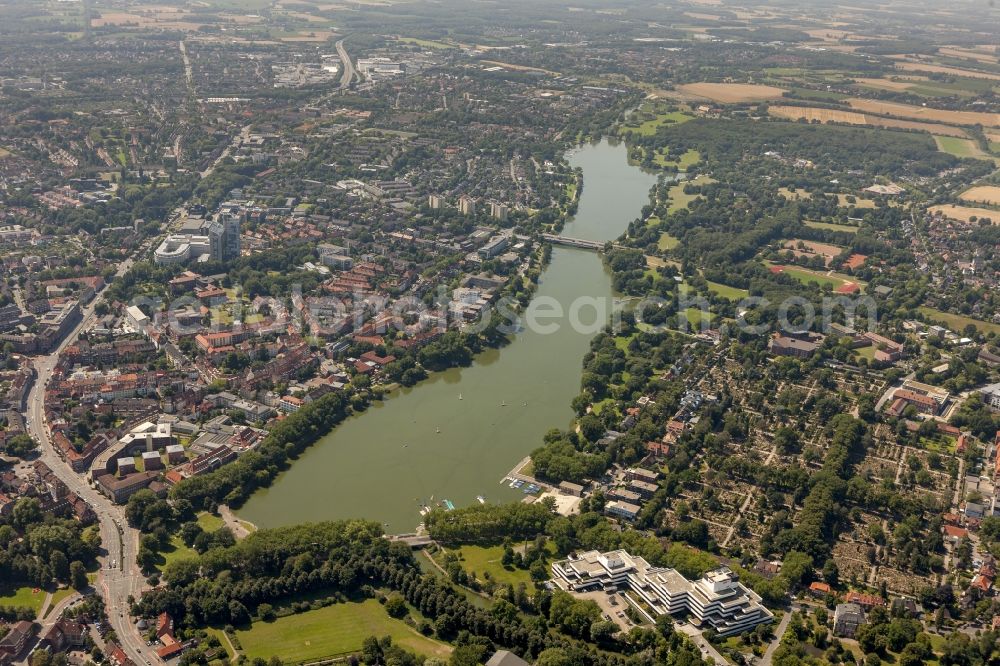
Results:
516 475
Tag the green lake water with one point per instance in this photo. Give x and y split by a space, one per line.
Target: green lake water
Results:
384 463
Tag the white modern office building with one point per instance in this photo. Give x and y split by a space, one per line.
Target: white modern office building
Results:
202 239
717 600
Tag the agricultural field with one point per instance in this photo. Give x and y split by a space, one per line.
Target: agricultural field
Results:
940 69
957 322
969 54
830 226
815 114
925 87
985 194
958 147
965 213
854 118
926 113
731 93
331 631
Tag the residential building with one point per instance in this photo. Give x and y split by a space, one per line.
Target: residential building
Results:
16 640
467 205
846 620
64 635
620 509
499 211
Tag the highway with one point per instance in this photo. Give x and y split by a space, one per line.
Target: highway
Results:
120 576
348 76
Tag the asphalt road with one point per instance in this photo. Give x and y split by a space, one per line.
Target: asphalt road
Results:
348 75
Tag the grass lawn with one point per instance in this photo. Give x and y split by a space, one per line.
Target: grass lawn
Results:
622 341
599 407
176 550
732 293
649 127
571 191
843 201
331 631
58 596
695 318
426 43
829 226
218 633
652 221
481 559
679 199
958 322
28 597
688 159
667 242
866 352
209 522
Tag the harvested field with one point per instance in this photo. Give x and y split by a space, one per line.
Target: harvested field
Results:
886 84
940 130
940 69
827 34
731 93
926 113
822 115
854 118
965 213
968 54
987 194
